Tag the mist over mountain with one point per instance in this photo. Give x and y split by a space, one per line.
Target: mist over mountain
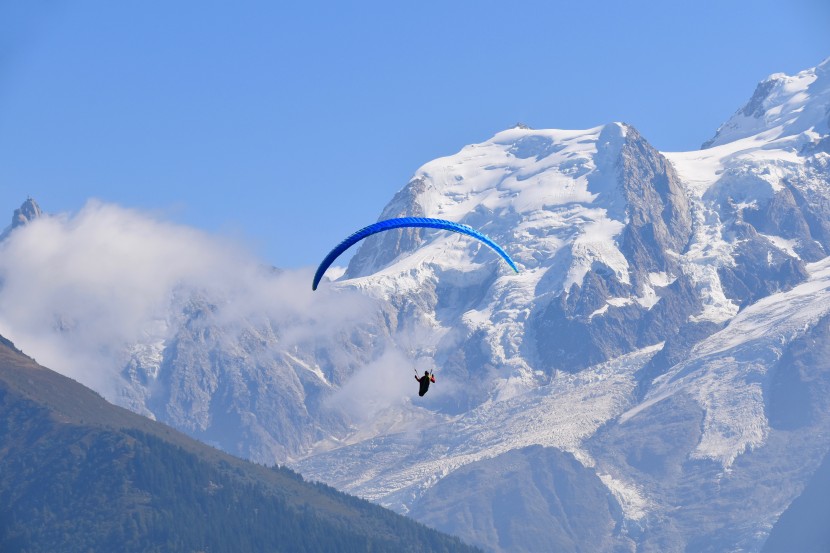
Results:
657 361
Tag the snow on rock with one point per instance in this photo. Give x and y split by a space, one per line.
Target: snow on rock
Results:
727 370
782 105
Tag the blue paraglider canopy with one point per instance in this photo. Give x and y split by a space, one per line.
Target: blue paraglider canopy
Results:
390 224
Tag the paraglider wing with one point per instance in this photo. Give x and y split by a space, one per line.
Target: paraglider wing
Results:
390 224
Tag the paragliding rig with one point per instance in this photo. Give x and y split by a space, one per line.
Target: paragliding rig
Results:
424 381
390 224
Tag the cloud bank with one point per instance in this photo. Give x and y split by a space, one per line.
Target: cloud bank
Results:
76 290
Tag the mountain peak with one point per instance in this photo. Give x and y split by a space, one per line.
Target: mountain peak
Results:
25 214
782 106
520 178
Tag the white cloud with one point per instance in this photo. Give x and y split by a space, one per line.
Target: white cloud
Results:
385 383
76 290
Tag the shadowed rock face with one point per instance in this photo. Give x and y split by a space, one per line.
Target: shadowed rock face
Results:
799 386
803 526
759 270
788 215
500 503
658 228
659 218
794 214
25 214
381 249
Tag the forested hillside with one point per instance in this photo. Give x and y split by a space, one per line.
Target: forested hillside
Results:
78 474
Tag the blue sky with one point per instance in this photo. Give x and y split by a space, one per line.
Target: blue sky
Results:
289 125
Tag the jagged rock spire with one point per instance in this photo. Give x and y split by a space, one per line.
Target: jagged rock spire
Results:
25 214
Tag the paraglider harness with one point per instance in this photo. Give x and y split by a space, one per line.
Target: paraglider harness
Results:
424 381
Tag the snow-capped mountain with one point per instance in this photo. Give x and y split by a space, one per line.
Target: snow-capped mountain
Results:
653 379
681 291
788 110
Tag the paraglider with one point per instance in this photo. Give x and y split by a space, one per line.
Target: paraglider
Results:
424 382
390 224
416 222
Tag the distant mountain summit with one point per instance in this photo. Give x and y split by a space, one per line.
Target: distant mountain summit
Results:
25 214
783 106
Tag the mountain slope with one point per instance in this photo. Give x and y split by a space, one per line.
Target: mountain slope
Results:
79 474
792 107
504 500
737 429
802 527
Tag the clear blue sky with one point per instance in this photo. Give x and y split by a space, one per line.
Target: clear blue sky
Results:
290 125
